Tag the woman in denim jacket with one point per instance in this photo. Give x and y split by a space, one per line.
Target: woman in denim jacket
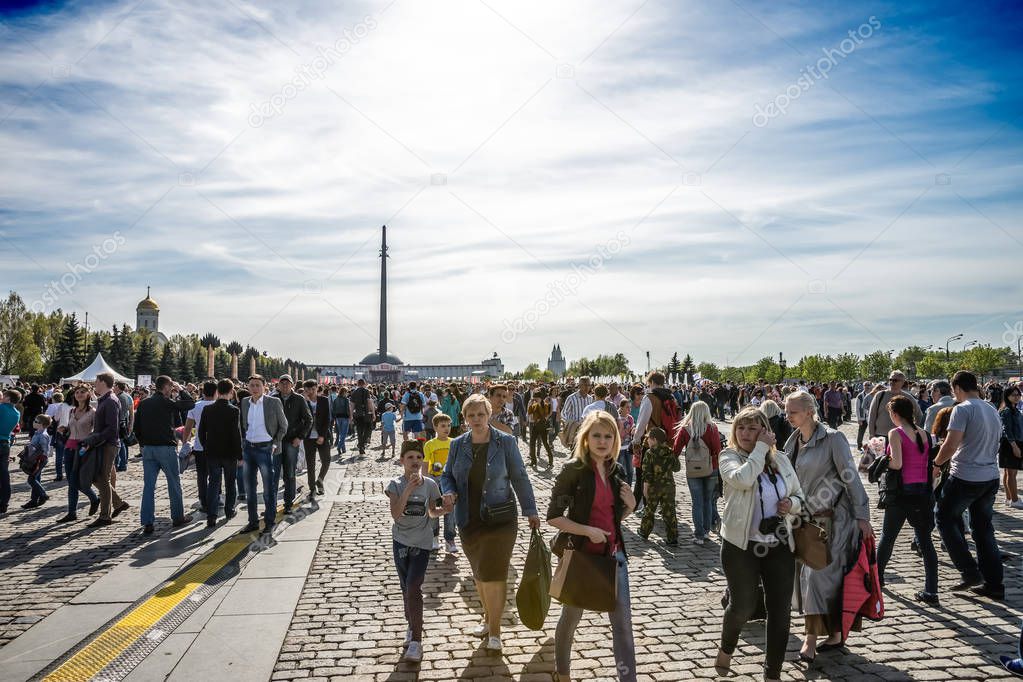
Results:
484 467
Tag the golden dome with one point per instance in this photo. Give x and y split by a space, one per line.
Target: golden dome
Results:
147 303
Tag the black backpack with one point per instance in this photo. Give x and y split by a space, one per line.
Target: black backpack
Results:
360 399
415 403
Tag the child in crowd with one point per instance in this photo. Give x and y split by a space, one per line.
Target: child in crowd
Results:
413 498
388 432
428 415
40 445
436 456
659 467
627 428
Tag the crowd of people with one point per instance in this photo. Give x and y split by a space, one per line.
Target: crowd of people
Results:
784 468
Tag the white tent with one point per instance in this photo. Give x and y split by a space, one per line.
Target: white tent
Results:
98 366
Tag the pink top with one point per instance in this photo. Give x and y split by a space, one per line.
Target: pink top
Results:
914 460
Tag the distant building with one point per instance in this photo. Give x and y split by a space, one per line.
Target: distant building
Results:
556 363
147 318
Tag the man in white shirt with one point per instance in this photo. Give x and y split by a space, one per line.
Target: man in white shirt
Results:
263 428
572 412
209 396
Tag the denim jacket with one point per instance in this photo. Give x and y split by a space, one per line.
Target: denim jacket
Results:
505 473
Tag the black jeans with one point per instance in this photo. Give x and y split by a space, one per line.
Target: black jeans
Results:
201 476
860 431
363 429
539 433
957 496
311 451
217 471
775 568
918 510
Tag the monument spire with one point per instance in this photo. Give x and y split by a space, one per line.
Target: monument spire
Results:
383 295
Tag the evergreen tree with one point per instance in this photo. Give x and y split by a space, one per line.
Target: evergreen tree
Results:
688 366
674 366
97 345
167 360
145 361
183 371
127 352
198 365
67 357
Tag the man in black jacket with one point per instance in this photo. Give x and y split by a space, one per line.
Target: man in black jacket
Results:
154 428
362 414
299 422
220 432
105 442
317 441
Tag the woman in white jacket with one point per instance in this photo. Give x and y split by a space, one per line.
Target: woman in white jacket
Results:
762 496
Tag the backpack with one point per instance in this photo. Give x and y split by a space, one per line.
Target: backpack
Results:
29 459
341 406
669 410
698 459
361 403
415 403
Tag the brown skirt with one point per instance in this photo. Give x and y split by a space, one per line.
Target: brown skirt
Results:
489 550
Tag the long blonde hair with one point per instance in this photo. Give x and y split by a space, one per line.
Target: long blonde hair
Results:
698 418
595 418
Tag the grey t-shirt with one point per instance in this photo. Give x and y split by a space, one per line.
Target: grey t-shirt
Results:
414 527
976 459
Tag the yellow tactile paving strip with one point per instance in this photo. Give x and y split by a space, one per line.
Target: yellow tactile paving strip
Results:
115 640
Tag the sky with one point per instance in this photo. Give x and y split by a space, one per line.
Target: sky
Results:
729 180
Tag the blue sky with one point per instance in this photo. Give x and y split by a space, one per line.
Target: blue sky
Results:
509 147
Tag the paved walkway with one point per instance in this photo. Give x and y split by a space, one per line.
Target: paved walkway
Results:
323 603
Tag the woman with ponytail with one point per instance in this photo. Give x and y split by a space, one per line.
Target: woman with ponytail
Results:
909 448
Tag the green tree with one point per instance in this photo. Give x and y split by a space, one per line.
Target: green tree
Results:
168 361
531 372
68 355
846 367
199 364
99 342
764 368
876 365
19 353
909 356
688 367
46 331
674 365
815 368
733 374
145 360
931 367
708 370
981 360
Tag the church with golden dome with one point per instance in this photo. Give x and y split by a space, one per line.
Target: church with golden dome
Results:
147 318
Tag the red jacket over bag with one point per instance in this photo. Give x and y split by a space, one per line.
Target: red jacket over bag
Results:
861 590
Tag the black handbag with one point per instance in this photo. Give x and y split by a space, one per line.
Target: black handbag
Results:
499 514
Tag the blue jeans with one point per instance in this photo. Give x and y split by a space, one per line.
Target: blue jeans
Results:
217 472
157 458
35 483
411 563
921 519
622 642
342 433
286 463
5 475
625 459
957 496
58 455
449 527
71 460
261 460
121 463
703 491
239 475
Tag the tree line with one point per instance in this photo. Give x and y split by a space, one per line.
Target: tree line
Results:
41 346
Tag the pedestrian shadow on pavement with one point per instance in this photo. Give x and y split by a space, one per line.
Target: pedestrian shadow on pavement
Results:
695 562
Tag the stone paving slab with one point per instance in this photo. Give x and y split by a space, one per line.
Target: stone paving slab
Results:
349 625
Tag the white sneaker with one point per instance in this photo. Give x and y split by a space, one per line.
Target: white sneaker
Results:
1018 504
494 643
698 541
436 544
481 630
414 653
452 547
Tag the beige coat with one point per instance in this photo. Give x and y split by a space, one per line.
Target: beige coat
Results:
739 472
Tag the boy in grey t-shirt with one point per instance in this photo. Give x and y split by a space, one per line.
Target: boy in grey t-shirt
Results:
413 499
976 458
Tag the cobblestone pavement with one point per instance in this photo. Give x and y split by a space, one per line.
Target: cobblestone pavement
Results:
44 565
349 622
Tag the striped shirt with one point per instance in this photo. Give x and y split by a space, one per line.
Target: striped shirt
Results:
574 406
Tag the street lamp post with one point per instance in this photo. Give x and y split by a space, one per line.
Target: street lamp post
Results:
971 343
782 364
949 340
